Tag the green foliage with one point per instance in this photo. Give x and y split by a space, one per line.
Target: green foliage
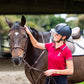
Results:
39 22
3 25
72 24
52 21
33 25
72 15
4 28
80 83
80 22
45 21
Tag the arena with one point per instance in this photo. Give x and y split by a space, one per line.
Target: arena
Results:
10 74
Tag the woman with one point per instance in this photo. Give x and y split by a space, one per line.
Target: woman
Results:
59 55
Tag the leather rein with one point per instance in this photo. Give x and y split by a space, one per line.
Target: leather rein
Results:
31 68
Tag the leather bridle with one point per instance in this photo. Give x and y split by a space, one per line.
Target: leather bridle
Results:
15 47
31 68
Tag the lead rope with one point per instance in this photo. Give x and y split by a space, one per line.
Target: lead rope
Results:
37 62
27 63
32 67
42 72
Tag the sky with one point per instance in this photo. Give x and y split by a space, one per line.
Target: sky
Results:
65 17
61 15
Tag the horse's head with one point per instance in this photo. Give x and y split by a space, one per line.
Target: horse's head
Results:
18 40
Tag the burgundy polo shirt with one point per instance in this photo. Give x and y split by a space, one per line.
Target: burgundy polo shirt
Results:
57 56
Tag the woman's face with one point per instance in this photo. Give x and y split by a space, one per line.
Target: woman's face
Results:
57 37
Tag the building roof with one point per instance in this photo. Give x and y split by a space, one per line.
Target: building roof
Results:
41 6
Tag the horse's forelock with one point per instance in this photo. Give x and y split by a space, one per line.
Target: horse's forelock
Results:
16 25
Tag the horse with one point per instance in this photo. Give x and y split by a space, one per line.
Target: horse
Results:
35 60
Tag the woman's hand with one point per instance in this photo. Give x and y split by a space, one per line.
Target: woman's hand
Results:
27 30
49 72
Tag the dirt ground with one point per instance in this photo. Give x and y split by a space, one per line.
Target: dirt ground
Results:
10 74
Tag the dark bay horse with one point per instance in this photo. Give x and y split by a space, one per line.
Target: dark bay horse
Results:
35 60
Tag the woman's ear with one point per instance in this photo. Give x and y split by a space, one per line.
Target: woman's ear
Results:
64 37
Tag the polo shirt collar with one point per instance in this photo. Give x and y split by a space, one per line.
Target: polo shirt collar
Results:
61 47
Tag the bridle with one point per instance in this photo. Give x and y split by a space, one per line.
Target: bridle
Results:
15 47
31 68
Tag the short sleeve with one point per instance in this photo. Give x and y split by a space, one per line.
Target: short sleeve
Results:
47 46
68 55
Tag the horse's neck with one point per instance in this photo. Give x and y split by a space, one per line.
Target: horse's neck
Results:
46 36
34 53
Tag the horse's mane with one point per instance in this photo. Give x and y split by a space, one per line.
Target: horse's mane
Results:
33 31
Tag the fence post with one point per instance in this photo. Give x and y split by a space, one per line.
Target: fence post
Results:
1 43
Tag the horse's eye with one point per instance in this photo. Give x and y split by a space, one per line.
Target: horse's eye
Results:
24 36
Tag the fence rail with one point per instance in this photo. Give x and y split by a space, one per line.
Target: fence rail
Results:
4 47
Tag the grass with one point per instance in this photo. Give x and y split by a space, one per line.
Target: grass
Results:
80 83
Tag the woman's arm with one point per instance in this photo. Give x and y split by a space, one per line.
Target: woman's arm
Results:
34 42
67 71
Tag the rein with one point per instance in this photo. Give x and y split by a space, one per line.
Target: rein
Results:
30 68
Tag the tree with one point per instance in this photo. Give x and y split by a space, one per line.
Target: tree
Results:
39 22
45 22
80 22
52 21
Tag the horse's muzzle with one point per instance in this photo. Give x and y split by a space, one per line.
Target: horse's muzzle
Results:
17 60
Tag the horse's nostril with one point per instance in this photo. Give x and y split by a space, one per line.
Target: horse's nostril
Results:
20 58
16 60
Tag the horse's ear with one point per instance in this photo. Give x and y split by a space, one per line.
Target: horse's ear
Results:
8 22
23 21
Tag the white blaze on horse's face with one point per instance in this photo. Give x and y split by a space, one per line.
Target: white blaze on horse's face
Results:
16 33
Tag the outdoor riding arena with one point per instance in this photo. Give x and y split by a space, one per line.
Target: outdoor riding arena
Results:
10 74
